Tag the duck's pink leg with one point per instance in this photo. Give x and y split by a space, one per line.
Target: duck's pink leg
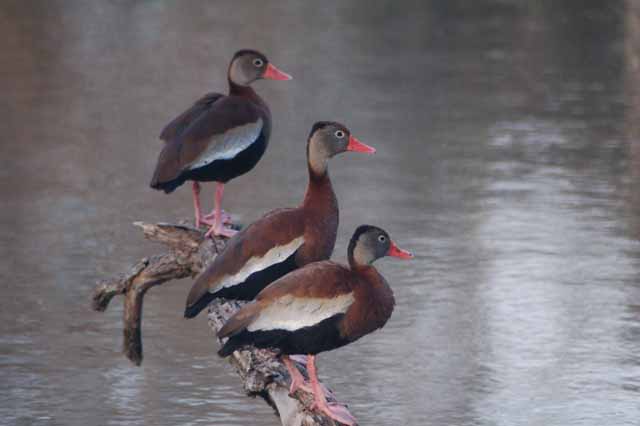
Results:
300 359
226 218
195 188
218 228
297 379
337 412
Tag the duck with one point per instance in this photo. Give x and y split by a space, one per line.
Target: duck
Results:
320 307
284 239
219 138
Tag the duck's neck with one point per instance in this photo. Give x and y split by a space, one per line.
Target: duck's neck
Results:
375 284
319 190
378 286
321 218
374 298
247 91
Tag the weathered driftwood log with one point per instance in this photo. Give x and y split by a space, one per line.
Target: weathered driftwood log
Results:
262 373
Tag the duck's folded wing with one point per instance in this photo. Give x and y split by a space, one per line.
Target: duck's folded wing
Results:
303 298
267 242
221 131
181 122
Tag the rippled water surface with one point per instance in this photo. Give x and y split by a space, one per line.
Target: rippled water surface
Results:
507 161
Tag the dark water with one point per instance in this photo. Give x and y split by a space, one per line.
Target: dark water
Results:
507 161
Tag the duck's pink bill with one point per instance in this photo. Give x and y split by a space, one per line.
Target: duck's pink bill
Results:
273 73
395 251
356 146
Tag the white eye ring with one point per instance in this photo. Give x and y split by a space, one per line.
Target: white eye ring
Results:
382 238
339 134
258 62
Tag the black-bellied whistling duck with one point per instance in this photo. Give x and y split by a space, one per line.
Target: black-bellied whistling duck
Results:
284 239
219 138
317 308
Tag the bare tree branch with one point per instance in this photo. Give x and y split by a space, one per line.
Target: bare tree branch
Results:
261 371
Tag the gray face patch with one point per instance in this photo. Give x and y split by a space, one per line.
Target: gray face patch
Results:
229 144
247 68
318 154
324 144
371 246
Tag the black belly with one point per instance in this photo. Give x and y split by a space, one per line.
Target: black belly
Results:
256 282
312 340
225 170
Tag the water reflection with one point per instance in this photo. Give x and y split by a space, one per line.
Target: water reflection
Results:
507 160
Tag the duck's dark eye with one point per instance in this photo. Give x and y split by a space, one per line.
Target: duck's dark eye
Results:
382 238
339 134
258 62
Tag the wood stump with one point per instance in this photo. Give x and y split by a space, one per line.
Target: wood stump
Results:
261 371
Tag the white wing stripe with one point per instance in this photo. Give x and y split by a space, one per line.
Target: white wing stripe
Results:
229 144
275 255
292 313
